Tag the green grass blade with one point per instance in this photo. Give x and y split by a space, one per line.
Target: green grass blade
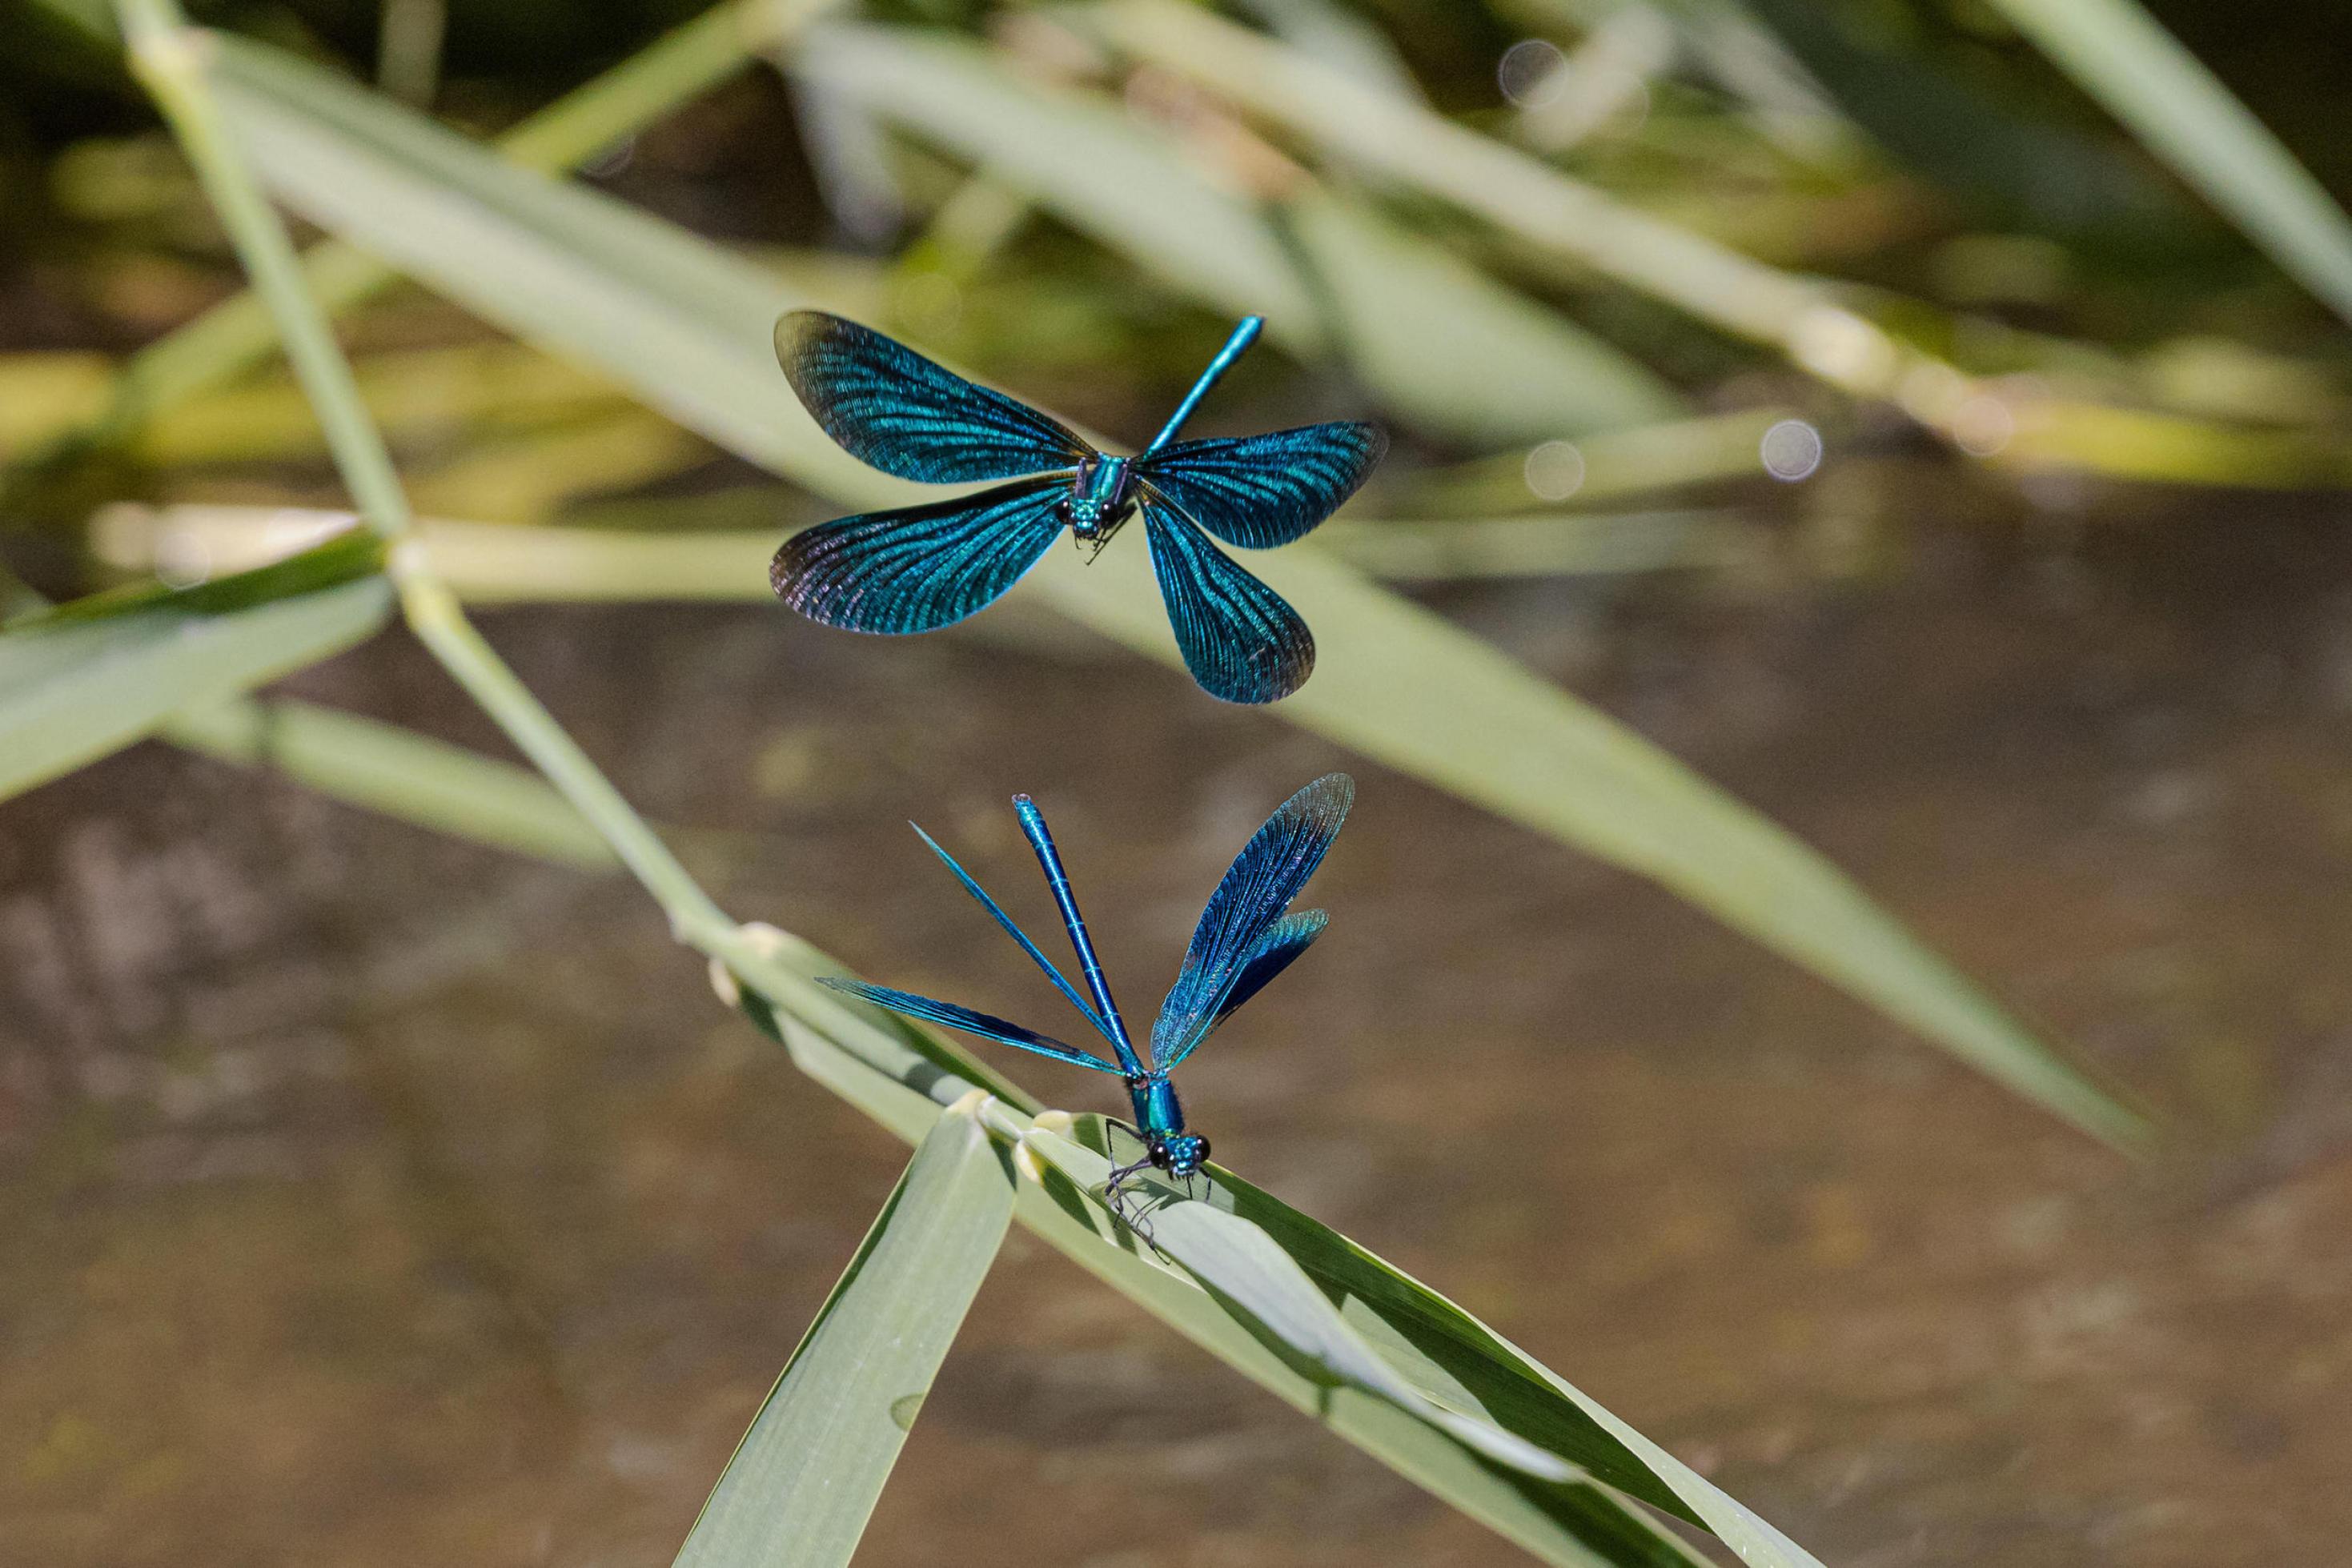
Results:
802 1483
1240 1263
893 1070
1442 345
499 563
1414 146
522 562
1450 350
95 18
72 692
169 58
2026 168
399 773
899 1074
1455 1356
686 327
2122 57
342 558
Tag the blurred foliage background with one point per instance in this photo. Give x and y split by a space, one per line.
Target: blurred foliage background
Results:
1945 458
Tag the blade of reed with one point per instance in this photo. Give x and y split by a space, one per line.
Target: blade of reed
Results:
681 323
505 563
2113 48
377 766
900 1073
94 18
1562 545
1456 1357
1419 149
2124 57
340 554
804 1480
1257 1282
1605 467
2026 168
172 61
498 563
74 691
686 327
1347 38
1442 344
397 772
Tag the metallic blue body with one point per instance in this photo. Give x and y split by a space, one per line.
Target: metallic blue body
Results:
1102 496
917 569
1246 936
1112 1027
1243 336
1156 1110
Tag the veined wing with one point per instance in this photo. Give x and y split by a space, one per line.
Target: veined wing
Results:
1241 642
983 1024
1259 491
890 407
1273 953
918 568
1243 937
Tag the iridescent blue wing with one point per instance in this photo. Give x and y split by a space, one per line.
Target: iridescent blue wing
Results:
1284 941
919 568
890 407
1240 640
983 1024
1259 491
1243 936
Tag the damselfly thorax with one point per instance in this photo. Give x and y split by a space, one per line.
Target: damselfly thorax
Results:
1160 1119
1101 497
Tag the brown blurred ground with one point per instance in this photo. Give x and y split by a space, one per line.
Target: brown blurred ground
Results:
369 1200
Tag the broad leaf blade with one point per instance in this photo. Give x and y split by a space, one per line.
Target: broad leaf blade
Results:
867 1057
800 1487
71 693
1451 1356
1241 1265
686 327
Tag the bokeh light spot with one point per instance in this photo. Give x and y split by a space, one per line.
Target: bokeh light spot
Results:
1791 450
1555 471
1530 74
1984 425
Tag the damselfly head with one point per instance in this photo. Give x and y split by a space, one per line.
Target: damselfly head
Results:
1091 527
1181 1156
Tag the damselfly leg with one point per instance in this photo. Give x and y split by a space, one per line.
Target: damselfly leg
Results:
1121 1199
